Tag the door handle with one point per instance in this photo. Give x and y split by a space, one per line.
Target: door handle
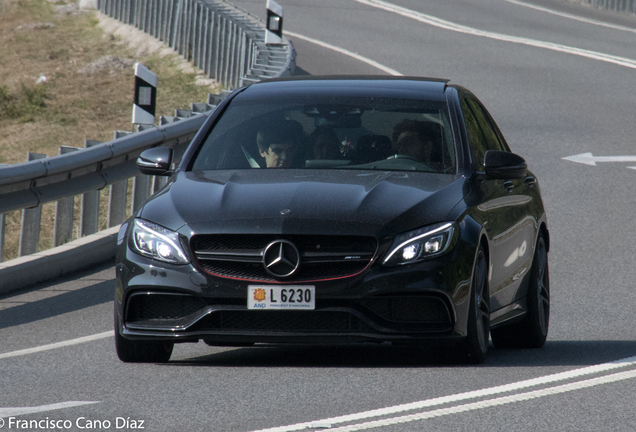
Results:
531 181
509 185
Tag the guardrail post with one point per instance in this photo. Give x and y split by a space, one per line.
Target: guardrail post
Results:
172 27
63 227
155 18
188 31
242 59
117 203
233 56
89 219
132 12
195 30
183 31
176 27
128 8
159 183
205 26
224 51
213 59
31 218
165 20
1 237
143 17
118 195
141 191
137 13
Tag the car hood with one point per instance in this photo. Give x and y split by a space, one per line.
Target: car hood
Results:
303 201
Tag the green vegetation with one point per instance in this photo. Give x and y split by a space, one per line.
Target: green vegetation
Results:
26 104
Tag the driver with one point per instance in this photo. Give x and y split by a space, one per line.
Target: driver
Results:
415 139
277 144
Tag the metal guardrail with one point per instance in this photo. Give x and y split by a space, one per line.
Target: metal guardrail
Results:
613 5
220 39
84 172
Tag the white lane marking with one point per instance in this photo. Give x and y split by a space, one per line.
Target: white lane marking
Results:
58 345
345 52
590 159
630 361
570 16
11 412
440 23
491 402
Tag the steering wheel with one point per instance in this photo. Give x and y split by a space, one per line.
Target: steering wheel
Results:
406 159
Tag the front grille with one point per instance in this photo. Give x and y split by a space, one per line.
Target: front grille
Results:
161 307
285 321
409 309
321 257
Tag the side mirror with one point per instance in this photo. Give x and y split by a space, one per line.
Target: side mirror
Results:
504 165
155 161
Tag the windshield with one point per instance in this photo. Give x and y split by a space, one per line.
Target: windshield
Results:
330 133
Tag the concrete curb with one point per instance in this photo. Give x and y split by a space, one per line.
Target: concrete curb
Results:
84 252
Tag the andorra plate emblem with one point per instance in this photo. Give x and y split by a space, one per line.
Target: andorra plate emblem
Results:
259 294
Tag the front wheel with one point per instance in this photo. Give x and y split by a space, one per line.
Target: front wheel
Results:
532 332
474 348
130 351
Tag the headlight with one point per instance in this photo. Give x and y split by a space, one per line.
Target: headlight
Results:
156 242
420 244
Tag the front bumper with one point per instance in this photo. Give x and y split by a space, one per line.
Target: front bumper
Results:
427 301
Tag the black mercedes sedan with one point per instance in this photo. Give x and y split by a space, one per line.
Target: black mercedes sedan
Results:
337 210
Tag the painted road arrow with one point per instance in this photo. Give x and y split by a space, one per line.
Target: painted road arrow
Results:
590 159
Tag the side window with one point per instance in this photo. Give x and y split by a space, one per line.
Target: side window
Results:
492 140
476 140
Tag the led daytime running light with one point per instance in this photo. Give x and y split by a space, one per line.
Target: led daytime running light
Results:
402 245
158 240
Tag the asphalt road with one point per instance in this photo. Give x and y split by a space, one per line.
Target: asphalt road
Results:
558 87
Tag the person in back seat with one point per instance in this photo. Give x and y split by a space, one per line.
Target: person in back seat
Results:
323 144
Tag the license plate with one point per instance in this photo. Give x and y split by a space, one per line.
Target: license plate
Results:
281 297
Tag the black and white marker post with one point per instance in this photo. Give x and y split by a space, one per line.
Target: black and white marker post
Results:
274 31
145 96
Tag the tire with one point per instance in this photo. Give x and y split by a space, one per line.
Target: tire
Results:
130 351
474 348
532 332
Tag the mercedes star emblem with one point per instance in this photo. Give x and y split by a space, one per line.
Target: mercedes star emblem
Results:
281 259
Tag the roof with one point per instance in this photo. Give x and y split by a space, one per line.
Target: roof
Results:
353 86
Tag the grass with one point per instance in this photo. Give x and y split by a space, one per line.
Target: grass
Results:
25 104
46 102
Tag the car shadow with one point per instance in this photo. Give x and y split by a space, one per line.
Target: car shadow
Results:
48 307
554 353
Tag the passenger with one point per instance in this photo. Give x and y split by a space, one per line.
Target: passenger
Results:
416 139
277 144
323 144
